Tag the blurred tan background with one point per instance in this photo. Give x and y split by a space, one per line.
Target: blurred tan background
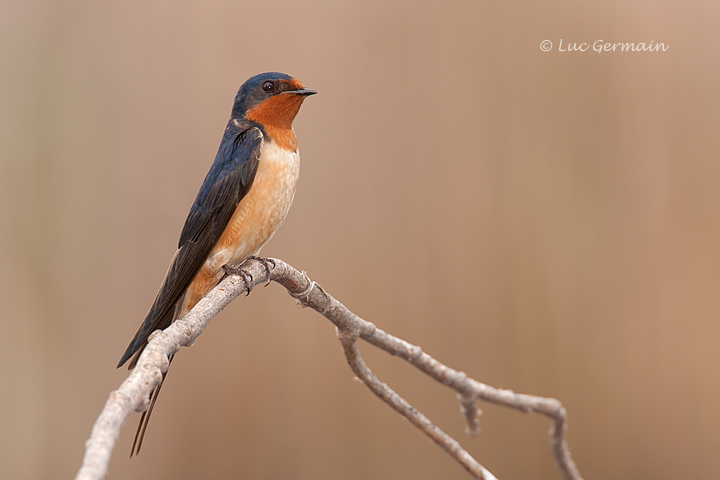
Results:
546 222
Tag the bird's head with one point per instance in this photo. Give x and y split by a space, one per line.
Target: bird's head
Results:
270 99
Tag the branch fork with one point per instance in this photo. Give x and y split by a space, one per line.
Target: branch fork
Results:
133 394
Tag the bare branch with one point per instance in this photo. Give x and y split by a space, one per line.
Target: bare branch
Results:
472 413
312 295
449 444
134 392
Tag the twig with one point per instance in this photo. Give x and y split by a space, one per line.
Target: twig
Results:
399 404
310 294
134 392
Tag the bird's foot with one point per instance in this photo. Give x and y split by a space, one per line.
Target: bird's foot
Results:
246 277
266 263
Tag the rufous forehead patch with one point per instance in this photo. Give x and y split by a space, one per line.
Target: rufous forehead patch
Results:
296 84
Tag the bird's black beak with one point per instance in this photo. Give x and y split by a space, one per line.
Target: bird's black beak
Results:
303 91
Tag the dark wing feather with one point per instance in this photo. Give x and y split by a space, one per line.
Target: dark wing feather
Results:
227 182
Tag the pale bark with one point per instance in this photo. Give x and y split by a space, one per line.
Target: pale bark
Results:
134 392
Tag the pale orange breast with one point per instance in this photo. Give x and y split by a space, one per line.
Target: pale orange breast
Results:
255 221
262 210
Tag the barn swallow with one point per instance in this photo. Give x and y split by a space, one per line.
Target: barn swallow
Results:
242 202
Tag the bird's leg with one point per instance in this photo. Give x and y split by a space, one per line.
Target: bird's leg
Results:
266 263
246 277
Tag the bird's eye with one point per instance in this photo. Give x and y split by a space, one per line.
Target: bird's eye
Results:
268 86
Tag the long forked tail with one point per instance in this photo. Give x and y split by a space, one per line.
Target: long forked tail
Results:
145 418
